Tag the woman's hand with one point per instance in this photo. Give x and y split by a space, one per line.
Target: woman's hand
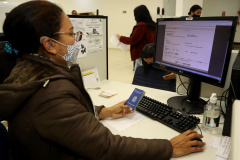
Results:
169 76
117 111
118 36
184 144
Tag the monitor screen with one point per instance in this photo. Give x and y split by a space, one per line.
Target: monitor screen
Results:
199 48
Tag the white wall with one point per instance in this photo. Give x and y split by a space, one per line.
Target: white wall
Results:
117 21
3 10
183 6
7 8
169 7
215 8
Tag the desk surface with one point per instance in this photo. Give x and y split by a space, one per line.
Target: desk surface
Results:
149 128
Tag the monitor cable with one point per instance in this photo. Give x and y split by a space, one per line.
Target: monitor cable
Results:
223 98
180 86
182 83
187 89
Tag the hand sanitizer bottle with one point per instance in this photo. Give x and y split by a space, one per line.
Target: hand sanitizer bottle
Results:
211 116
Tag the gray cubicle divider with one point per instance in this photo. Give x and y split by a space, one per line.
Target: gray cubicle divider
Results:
96 54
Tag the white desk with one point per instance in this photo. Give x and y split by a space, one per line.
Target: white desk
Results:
148 128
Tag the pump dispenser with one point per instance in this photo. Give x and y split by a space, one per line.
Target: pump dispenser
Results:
211 115
213 98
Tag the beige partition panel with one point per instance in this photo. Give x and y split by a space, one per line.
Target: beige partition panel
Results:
94 43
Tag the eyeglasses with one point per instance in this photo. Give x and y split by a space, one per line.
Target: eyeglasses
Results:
77 35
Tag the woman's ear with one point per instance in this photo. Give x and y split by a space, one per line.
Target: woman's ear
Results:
48 45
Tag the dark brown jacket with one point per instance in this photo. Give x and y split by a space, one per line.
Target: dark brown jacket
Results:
50 116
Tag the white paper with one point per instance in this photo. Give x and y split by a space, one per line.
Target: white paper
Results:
220 158
215 142
108 93
115 41
224 148
94 27
125 122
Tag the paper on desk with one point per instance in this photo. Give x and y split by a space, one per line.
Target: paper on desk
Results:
225 147
108 93
115 41
220 158
215 142
125 122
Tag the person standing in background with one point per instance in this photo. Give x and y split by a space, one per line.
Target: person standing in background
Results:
143 33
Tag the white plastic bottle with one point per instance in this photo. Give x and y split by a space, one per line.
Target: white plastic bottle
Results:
211 116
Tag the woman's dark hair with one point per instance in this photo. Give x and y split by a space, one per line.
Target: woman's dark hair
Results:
23 28
147 52
142 14
194 8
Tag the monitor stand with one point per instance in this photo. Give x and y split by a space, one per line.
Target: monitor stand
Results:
192 103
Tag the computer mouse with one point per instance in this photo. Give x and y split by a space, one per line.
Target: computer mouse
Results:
198 139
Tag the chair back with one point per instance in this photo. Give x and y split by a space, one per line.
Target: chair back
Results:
153 79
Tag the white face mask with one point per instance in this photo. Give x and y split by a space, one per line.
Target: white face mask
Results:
72 52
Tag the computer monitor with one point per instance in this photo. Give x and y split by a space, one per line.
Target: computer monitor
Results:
198 48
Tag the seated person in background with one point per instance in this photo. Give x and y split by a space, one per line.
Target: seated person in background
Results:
149 76
50 114
147 60
195 11
74 12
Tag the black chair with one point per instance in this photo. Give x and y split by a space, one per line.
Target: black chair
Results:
4 145
153 79
2 37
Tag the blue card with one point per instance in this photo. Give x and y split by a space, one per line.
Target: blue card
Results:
135 98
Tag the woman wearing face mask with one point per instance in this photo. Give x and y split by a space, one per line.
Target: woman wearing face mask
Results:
50 115
195 11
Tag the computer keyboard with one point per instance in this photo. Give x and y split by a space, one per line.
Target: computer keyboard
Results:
177 120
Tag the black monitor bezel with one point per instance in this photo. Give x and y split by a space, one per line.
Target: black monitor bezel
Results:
196 76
